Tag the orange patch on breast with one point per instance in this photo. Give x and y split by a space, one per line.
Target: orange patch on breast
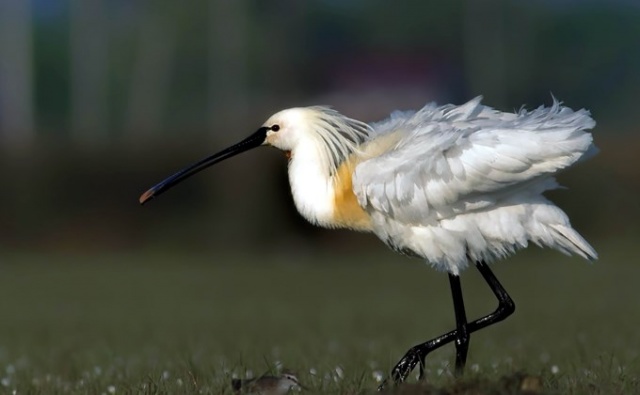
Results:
347 211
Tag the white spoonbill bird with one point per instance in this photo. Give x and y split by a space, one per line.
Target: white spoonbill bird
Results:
453 185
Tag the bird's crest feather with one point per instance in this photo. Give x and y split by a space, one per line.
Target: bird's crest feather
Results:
339 135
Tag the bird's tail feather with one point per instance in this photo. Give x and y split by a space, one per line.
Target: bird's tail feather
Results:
571 242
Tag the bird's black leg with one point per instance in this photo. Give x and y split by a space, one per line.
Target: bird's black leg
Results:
462 334
418 354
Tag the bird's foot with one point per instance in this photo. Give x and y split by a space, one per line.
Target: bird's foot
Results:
402 369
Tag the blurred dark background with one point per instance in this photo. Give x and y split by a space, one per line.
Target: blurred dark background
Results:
100 99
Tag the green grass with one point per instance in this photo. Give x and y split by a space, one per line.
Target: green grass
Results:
178 323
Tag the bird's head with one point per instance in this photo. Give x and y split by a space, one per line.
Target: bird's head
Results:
333 133
286 128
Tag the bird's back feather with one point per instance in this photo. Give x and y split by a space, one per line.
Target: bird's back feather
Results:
449 166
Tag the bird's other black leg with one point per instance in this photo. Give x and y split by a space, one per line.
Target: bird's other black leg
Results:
418 354
506 307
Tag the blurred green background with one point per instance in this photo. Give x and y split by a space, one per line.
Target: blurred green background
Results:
100 99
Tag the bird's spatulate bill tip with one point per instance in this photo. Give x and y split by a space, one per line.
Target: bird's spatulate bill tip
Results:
145 197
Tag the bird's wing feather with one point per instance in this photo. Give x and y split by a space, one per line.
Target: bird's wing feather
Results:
452 159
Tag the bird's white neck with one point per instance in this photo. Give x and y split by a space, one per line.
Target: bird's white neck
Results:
311 184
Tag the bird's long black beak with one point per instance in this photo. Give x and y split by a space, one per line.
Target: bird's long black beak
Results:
253 141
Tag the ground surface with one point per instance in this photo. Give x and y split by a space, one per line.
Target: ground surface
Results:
175 323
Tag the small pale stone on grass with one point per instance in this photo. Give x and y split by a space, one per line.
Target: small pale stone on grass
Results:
531 384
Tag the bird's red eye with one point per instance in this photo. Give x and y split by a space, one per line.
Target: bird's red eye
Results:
275 128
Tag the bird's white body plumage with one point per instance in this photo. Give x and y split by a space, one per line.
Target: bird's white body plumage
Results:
450 184
311 185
